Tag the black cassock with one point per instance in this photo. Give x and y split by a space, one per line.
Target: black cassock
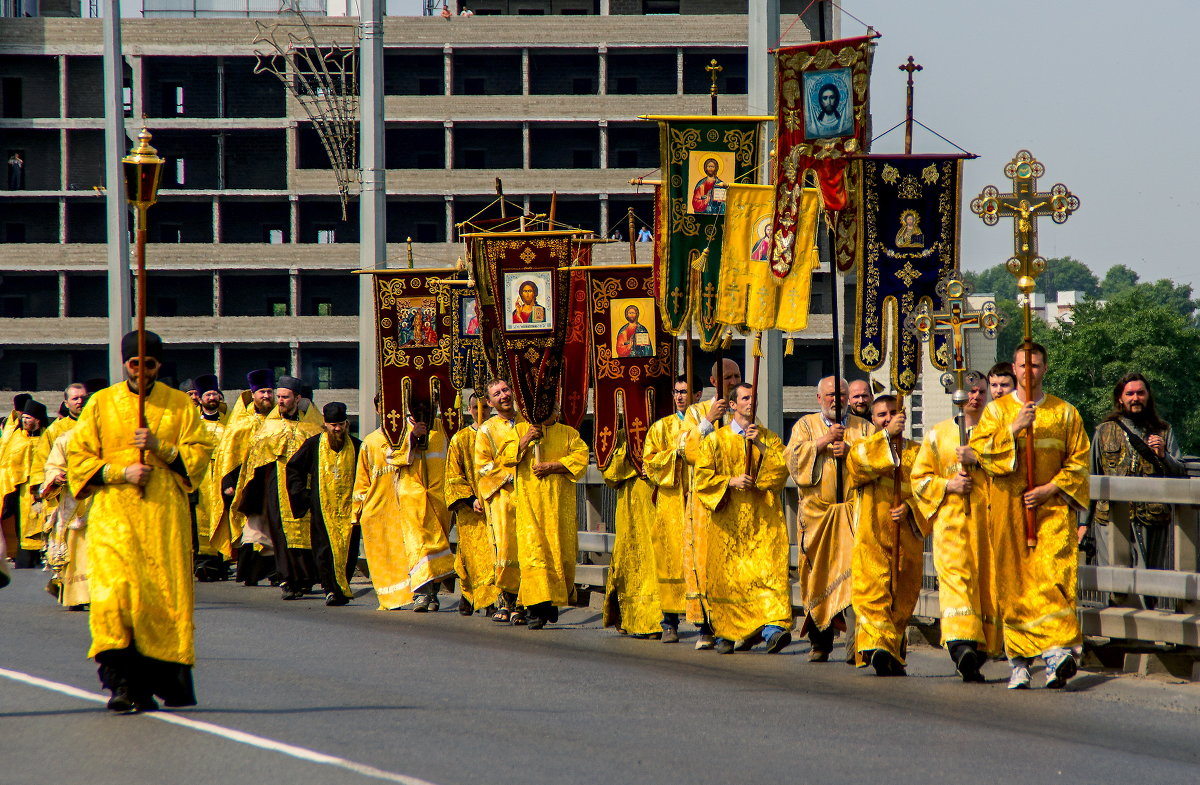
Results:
304 492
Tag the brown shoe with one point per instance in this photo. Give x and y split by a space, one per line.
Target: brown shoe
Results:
670 635
818 656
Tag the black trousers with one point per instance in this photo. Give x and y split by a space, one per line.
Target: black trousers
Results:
144 676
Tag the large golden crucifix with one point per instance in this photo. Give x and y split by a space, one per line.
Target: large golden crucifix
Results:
1025 204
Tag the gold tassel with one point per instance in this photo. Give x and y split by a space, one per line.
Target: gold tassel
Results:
458 401
727 342
757 350
789 347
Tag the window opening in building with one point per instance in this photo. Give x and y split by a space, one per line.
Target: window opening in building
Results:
172 98
324 377
429 86
280 370
626 85
474 159
14 233
12 307
29 376
324 307
326 234
474 85
531 11
627 159
11 97
429 161
735 84
166 306
582 159
277 306
426 233
170 233
582 86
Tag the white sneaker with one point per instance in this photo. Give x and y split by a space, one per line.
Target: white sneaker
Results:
1060 667
1019 680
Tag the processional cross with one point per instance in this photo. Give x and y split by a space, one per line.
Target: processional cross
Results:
1025 204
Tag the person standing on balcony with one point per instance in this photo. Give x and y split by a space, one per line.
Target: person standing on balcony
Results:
1133 441
885 585
739 476
667 470
1036 585
816 454
952 492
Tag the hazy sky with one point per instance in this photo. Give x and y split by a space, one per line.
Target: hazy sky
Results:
1095 89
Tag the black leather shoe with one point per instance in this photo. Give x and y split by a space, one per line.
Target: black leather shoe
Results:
334 599
968 665
724 646
121 703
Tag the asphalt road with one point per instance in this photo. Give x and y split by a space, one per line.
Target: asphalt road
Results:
442 699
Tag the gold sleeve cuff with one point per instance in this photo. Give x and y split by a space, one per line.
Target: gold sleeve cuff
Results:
113 475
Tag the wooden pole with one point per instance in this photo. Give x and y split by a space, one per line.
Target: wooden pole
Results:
897 446
1030 513
141 321
632 239
500 196
757 353
553 207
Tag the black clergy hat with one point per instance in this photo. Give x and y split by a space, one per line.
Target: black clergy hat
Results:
334 411
206 383
19 401
263 377
188 385
289 383
305 391
129 346
38 410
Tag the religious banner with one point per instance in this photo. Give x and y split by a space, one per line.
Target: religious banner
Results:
701 157
468 361
575 379
822 112
412 343
751 297
910 242
633 357
524 299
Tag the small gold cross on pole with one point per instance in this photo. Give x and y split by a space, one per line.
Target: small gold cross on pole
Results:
910 66
713 71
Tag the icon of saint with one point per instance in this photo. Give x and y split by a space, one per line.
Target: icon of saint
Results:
708 197
633 339
910 235
526 309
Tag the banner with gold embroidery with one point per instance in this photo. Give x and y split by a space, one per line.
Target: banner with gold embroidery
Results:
751 297
412 342
633 357
524 301
469 365
701 157
575 379
822 113
910 239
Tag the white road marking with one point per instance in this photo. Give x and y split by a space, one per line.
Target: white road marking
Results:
312 756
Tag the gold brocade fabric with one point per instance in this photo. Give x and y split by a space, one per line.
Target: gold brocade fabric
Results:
547 524
962 550
21 472
826 528
276 442
696 522
495 483
229 456
884 597
748 584
206 520
399 502
336 476
670 475
66 524
139 539
631 597
1036 587
475 561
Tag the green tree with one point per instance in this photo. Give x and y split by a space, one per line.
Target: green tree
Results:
1134 331
1061 275
1118 279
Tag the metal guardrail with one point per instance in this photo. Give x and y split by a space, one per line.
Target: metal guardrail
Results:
1124 619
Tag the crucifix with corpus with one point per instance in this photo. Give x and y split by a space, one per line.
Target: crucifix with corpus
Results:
1025 204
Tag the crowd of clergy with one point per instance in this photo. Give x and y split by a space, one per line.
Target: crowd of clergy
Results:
268 489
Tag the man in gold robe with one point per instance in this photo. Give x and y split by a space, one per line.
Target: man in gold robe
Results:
251 546
816 453
1036 585
546 461
668 472
210 563
739 477
701 421
952 492
401 507
631 599
8 522
21 473
886 584
262 489
320 482
66 518
495 482
475 561
140 543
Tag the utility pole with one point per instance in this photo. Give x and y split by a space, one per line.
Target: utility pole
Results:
762 35
372 207
120 302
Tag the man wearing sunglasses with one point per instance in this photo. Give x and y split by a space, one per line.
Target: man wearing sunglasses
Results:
140 538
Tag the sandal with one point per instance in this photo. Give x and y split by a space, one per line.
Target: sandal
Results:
518 617
501 615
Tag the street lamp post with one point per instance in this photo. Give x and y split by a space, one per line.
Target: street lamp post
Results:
143 168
